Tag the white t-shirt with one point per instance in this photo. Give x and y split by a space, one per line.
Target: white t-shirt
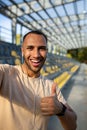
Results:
20 97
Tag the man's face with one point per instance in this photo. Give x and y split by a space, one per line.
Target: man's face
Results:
34 51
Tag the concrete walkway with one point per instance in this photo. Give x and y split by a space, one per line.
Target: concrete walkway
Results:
75 92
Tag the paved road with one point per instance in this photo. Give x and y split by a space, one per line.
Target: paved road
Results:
75 92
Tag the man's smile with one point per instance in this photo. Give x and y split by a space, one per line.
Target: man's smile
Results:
35 62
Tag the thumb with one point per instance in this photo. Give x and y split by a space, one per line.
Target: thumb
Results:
53 89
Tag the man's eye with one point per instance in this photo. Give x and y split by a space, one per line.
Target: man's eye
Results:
43 48
30 48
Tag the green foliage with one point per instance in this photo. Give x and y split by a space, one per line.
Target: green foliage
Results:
82 55
79 54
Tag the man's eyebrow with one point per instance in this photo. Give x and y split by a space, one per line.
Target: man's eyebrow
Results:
37 46
44 47
41 46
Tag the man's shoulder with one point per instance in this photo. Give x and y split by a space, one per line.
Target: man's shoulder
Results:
48 84
8 67
47 80
4 66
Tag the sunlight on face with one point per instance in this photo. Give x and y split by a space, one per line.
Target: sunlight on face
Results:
34 51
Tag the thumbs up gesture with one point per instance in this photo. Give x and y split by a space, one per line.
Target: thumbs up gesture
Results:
50 105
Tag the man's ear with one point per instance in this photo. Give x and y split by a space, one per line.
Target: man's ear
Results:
22 54
22 51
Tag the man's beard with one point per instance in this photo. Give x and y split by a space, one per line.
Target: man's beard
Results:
31 68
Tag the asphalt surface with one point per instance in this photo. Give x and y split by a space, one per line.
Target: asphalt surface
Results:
75 92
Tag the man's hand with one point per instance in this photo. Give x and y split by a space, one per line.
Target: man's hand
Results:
50 105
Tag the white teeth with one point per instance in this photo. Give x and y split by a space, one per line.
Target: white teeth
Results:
35 61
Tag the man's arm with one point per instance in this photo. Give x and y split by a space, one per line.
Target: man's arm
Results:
68 120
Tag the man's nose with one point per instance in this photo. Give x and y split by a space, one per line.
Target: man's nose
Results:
36 53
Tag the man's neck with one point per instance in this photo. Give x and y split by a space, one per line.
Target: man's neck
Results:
28 72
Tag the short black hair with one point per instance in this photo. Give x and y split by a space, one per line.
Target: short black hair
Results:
35 32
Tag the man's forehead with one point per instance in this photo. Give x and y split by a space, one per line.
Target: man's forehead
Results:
32 38
35 37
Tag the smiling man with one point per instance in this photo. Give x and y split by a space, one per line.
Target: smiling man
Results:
34 50
27 99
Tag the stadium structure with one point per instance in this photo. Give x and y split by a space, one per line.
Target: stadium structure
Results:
63 21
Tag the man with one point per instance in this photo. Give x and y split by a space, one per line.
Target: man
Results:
27 99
